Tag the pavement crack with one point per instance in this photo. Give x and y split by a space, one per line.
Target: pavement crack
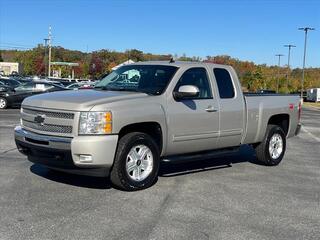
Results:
10 150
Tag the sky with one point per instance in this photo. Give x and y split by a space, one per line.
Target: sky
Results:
244 29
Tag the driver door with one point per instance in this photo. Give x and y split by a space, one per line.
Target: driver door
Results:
193 124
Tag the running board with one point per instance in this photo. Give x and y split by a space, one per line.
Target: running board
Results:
205 155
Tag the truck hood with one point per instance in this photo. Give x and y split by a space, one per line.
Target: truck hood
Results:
78 100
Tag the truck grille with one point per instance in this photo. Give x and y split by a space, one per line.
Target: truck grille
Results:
49 114
47 122
47 127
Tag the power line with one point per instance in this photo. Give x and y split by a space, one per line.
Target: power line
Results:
16 44
8 47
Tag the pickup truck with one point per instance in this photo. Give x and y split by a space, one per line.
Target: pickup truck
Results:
148 112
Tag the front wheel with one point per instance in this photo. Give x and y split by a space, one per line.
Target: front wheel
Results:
3 103
136 163
271 150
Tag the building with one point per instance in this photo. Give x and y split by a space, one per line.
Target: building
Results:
7 68
56 73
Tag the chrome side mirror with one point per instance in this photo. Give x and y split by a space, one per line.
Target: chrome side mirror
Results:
186 92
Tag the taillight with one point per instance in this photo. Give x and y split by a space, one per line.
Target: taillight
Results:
291 106
299 111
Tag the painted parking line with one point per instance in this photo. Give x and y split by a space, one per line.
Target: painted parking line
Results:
310 134
8 125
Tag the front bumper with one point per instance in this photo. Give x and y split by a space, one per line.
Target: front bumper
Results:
64 153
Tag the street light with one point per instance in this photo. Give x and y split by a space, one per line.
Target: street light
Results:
45 55
305 29
289 46
279 59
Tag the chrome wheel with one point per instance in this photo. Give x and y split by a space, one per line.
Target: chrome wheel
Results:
3 103
139 162
275 146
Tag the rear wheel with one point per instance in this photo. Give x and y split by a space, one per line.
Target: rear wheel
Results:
271 150
136 162
3 103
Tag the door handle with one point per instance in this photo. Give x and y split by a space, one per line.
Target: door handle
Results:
210 109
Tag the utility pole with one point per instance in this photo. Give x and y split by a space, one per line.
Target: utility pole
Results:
305 29
49 60
289 46
45 55
279 59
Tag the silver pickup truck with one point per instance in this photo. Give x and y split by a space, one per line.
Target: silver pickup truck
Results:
148 112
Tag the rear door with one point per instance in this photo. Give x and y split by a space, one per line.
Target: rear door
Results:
232 107
193 124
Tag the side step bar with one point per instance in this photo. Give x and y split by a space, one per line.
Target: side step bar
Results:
205 155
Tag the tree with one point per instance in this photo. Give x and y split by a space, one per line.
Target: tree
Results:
98 63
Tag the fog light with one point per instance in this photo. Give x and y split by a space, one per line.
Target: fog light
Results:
85 158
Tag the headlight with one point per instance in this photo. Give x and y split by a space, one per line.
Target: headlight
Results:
95 123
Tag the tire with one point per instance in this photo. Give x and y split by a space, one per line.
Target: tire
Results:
136 163
271 150
3 103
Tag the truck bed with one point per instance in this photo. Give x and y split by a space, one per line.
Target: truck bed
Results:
260 108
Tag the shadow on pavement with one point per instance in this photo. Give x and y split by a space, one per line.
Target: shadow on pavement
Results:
245 154
70 179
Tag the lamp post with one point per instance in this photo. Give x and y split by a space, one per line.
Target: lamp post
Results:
289 46
49 58
279 59
45 55
305 29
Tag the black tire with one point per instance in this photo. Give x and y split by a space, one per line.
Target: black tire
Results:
262 149
4 102
119 176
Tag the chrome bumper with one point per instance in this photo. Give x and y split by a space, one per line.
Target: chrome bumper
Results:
63 153
62 143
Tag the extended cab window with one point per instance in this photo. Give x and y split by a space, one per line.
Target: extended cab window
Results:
197 77
224 83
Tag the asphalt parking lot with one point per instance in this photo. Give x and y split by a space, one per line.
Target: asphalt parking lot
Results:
226 198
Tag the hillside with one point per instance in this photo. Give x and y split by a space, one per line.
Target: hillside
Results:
95 64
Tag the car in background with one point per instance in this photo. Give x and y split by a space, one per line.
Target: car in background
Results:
66 83
266 91
10 82
4 88
81 85
12 97
39 87
313 95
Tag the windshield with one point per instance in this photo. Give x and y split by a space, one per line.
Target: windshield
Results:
150 79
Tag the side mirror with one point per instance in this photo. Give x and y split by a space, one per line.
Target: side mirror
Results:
186 92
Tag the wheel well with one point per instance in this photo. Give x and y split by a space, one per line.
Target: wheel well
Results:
281 120
153 129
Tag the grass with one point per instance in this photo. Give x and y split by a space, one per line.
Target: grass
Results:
312 104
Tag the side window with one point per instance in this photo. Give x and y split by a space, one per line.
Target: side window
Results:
224 83
199 78
25 87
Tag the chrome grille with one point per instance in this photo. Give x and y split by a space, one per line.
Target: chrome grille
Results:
47 127
49 114
48 122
